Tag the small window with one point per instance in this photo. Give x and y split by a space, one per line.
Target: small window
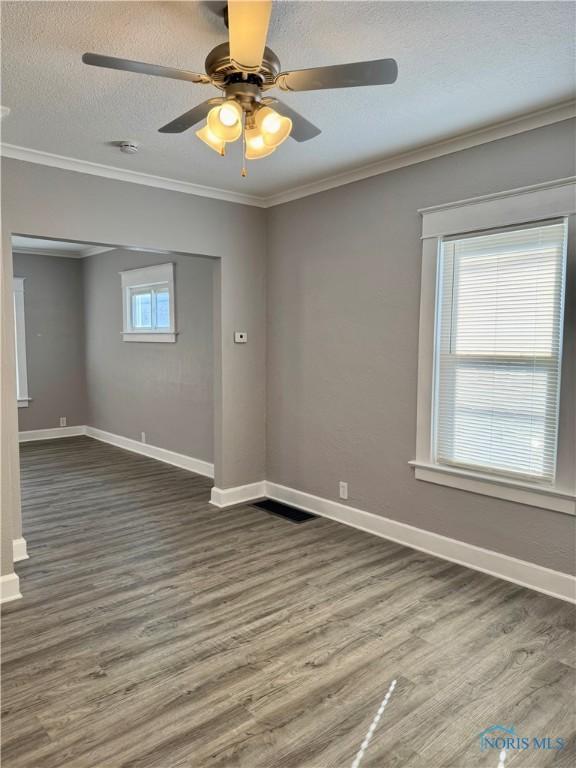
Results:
499 351
20 328
148 303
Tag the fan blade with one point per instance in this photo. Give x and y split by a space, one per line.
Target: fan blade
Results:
302 129
190 118
110 62
248 28
378 72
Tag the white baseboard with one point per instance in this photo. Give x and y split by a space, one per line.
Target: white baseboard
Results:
19 549
530 575
198 466
51 434
9 588
553 583
229 497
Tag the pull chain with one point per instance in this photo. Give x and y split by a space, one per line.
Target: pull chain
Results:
244 171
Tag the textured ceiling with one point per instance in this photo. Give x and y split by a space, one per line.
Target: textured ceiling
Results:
461 66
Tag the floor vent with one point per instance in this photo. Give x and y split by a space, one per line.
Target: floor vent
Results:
285 511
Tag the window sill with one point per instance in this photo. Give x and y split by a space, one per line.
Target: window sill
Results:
23 403
156 337
500 488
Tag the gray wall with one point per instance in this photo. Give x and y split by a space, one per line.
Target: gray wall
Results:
54 315
165 390
64 205
343 306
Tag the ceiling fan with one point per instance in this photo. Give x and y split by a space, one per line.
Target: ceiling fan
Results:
244 69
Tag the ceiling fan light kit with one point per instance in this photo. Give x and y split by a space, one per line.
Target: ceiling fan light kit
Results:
212 141
225 121
255 146
244 69
274 127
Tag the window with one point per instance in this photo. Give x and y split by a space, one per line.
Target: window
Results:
493 416
20 328
148 303
498 351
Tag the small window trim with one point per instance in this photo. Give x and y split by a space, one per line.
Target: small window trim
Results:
22 393
556 199
147 277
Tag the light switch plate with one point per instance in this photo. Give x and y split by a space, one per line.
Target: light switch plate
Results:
240 337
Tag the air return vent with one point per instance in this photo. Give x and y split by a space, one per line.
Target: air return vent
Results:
285 511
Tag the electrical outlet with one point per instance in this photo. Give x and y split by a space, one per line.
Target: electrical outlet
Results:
343 490
143 437
62 421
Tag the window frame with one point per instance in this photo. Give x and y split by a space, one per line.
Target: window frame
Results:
546 364
524 206
22 393
141 279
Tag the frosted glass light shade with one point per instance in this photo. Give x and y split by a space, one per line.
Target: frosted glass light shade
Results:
225 121
274 128
255 146
206 135
229 114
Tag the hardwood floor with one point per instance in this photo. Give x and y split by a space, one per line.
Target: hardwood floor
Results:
157 631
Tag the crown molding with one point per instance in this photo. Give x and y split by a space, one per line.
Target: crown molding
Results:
502 130
96 250
61 254
47 252
38 157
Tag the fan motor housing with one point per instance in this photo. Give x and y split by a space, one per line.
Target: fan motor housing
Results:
223 71
246 94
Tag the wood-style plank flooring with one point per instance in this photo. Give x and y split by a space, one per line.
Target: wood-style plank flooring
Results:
159 632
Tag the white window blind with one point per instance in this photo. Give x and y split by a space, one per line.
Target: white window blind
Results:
498 351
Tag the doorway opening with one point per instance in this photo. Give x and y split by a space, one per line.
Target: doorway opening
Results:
117 344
